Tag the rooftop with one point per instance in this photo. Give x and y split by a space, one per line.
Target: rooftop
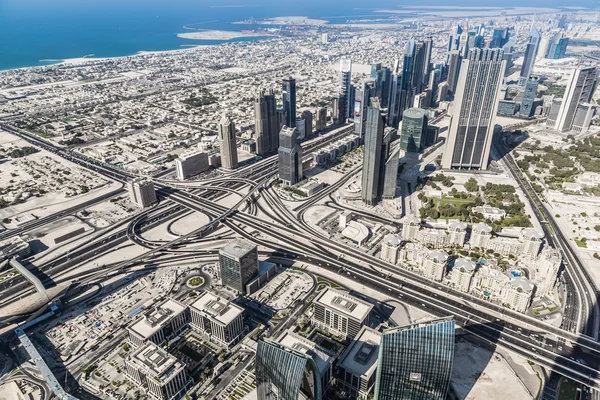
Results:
217 308
156 363
344 303
482 228
238 248
360 358
157 317
321 357
468 265
356 231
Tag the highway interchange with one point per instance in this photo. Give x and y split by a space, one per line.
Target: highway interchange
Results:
286 234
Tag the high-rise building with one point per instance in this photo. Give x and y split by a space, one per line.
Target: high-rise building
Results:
414 128
500 37
475 106
290 156
358 364
427 48
238 264
340 313
288 90
530 54
159 324
217 319
307 116
442 92
361 104
301 128
141 192
266 124
393 102
529 93
415 361
190 164
558 48
346 98
392 162
295 368
372 160
412 72
454 41
580 89
228 142
321 122
160 374
454 63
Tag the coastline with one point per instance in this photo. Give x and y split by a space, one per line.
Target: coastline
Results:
211 34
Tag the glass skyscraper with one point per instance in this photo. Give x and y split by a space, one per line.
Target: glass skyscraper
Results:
372 159
283 373
415 361
529 97
289 101
530 54
238 262
414 126
290 156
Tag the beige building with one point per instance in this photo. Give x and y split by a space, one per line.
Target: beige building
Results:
190 164
462 274
339 313
141 192
217 319
410 227
480 236
159 324
390 248
434 265
228 143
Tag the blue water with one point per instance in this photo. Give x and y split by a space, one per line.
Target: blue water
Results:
35 30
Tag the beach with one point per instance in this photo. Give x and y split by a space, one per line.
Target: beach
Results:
217 35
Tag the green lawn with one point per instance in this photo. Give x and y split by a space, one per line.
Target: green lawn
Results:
568 390
328 282
456 202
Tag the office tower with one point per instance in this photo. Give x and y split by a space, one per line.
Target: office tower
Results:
288 91
301 128
386 84
295 368
454 41
500 37
141 192
530 54
290 156
337 110
464 44
543 47
529 93
362 102
414 128
159 324
580 89
454 64
346 107
427 48
394 95
392 162
372 159
228 142
321 122
412 72
307 116
191 164
583 117
266 123
375 68
217 319
238 264
442 92
160 374
475 106
415 361
340 313
358 364
558 49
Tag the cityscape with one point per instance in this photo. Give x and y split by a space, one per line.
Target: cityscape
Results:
401 203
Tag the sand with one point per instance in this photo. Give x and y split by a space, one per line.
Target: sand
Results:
217 35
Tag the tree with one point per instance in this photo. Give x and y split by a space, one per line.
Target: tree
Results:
471 185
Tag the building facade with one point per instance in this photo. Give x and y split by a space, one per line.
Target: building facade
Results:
159 324
266 124
217 319
288 90
339 313
530 54
579 90
373 159
228 143
141 192
190 164
358 365
290 156
238 263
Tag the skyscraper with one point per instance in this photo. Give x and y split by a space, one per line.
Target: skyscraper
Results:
475 106
558 49
580 89
346 106
238 264
266 123
414 127
290 156
288 90
529 93
415 361
361 104
392 162
427 48
454 63
412 72
454 41
394 95
321 122
307 116
500 37
372 159
228 143
530 54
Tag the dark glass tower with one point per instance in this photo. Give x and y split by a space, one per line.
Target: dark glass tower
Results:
530 54
266 124
415 361
414 127
372 160
289 101
529 97
475 105
500 37
238 262
283 374
290 156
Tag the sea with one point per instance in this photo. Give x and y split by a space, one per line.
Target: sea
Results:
43 32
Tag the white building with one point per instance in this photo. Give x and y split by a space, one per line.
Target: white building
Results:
518 294
480 236
356 232
462 274
339 313
160 374
532 242
219 320
159 324
435 263
141 192
390 248
190 164
545 269
410 227
491 213
358 364
345 217
457 232
413 253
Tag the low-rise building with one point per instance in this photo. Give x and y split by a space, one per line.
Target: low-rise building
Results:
410 227
434 265
339 313
159 324
518 294
14 247
141 192
160 374
462 274
491 213
190 164
217 319
390 248
356 232
358 364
